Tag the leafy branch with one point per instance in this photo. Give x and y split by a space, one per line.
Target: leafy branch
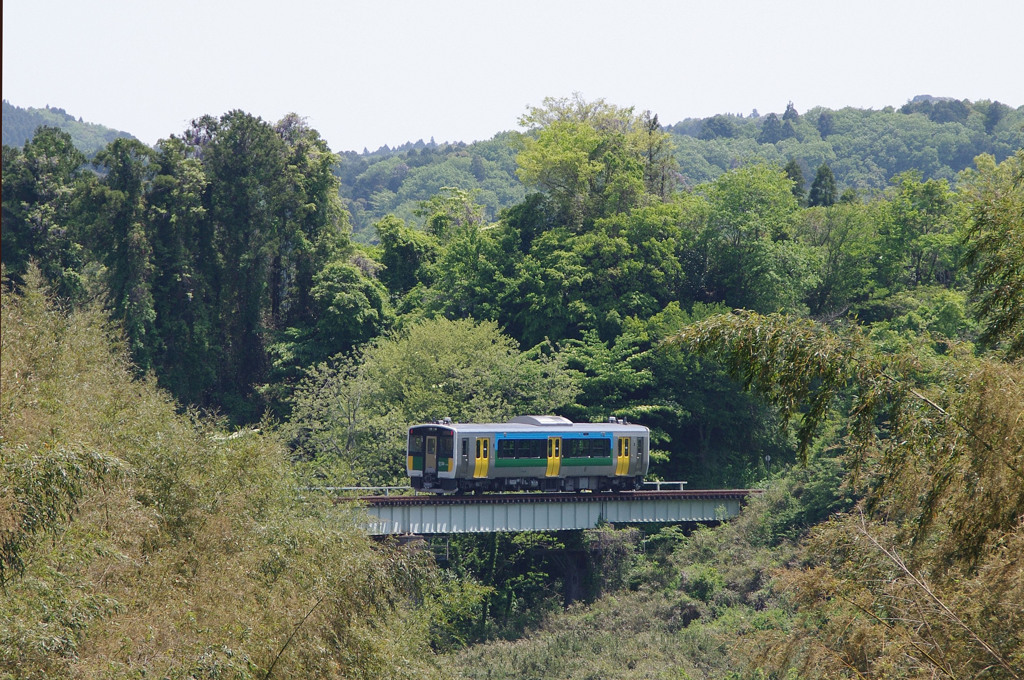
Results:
921 584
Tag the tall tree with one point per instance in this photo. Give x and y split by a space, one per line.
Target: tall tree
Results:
39 223
243 218
995 248
314 225
823 188
826 124
995 112
186 266
796 174
744 255
406 255
791 114
122 237
771 130
659 162
245 161
592 158
476 166
845 244
917 230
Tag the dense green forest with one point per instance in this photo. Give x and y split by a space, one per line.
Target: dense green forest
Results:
864 149
193 334
20 125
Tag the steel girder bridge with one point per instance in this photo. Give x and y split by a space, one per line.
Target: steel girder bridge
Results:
436 514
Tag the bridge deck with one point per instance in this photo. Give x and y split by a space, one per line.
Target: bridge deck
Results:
423 514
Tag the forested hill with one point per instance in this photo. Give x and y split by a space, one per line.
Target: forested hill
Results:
879 318
865 149
20 124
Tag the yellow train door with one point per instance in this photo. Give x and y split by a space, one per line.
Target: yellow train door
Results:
554 456
483 457
622 460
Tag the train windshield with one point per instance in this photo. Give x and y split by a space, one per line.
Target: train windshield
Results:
424 435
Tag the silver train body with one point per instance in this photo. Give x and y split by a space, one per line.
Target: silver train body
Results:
547 453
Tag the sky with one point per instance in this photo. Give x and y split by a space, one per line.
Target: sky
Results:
366 74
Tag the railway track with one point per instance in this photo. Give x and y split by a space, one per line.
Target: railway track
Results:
528 497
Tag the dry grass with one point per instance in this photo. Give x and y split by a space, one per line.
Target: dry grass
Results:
184 552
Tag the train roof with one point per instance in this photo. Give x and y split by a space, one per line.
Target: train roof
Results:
524 424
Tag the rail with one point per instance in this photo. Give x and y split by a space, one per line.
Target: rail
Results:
370 491
555 497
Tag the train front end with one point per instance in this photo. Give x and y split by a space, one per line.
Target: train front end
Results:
430 457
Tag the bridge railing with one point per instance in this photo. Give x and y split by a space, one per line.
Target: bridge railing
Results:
664 486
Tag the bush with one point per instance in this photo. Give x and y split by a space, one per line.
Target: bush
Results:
138 542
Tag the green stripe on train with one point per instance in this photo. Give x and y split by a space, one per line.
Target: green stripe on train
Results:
579 462
521 462
543 462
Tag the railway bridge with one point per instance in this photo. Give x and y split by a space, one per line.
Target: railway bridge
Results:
437 514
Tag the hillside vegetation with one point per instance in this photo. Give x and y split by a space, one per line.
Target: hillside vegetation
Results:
20 125
937 137
136 541
193 336
864 148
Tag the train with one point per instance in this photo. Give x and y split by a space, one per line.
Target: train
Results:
539 452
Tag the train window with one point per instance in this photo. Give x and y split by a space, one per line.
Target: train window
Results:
587 448
521 448
532 448
416 444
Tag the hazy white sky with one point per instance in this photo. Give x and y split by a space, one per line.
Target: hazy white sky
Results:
371 73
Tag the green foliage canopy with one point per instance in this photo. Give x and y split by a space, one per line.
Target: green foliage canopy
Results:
995 246
350 416
38 210
593 159
926 439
